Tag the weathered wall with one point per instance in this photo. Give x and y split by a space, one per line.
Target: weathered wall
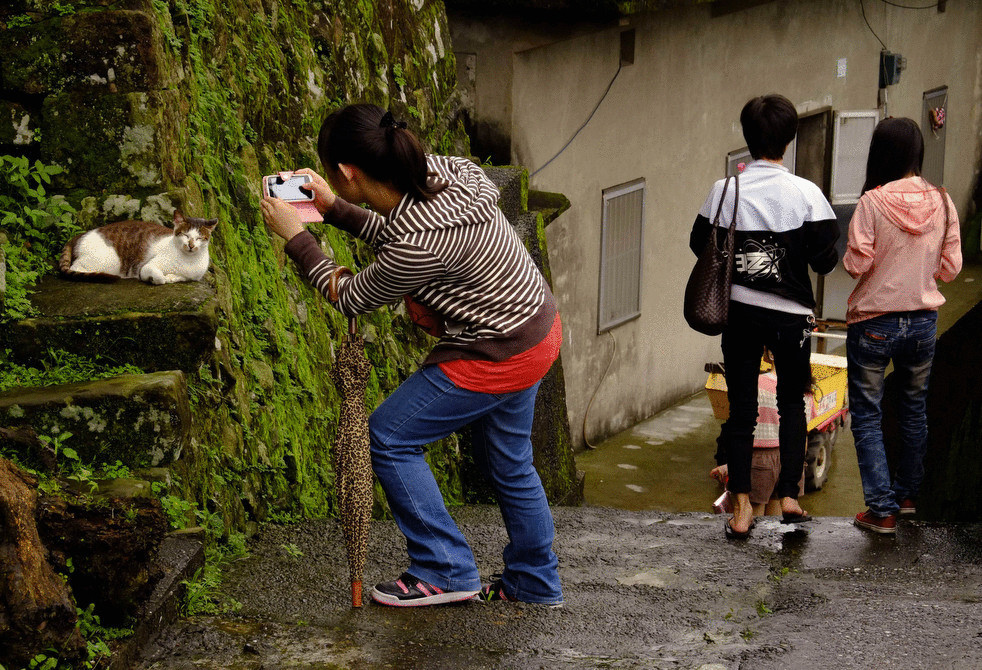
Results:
157 104
671 118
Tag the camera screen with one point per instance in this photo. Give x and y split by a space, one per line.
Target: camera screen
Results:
290 189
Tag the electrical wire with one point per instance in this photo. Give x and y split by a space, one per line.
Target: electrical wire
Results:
586 413
894 4
584 123
863 7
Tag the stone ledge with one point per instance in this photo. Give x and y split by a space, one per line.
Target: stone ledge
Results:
179 557
512 183
168 327
141 420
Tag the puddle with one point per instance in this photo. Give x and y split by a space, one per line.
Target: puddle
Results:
663 465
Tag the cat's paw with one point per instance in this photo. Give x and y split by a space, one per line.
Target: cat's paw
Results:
173 279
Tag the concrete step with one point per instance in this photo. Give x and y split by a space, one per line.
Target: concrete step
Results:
168 327
512 183
140 420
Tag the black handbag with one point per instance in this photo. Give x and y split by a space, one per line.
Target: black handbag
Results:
707 293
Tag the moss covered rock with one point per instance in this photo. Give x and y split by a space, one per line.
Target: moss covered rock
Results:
140 420
167 327
206 97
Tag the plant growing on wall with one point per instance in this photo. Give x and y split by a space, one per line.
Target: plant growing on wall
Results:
37 225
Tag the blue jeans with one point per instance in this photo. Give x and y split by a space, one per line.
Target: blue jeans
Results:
428 407
906 338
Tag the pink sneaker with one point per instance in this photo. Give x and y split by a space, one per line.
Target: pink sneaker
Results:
907 506
885 525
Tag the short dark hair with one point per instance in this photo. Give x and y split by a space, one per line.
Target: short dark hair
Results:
385 149
896 150
769 123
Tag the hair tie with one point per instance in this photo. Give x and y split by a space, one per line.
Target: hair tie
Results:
389 121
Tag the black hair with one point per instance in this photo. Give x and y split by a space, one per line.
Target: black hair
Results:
369 138
896 150
769 123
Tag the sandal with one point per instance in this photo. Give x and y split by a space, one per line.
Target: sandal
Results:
793 517
733 534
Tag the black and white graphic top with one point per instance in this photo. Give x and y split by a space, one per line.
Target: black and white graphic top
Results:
784 225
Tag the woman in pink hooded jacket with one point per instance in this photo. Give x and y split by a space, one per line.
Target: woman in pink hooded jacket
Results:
903 237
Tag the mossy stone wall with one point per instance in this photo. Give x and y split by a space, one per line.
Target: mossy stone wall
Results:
153 105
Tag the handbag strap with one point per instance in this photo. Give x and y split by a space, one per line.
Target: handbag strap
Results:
736 202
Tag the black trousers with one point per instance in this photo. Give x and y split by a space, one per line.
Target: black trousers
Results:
788 337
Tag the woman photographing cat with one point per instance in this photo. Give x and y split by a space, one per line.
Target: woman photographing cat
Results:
441 241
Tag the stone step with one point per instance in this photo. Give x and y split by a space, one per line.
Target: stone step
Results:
512 183
550 205
140 420
168 327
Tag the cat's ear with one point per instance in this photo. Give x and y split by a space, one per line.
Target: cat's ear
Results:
179 219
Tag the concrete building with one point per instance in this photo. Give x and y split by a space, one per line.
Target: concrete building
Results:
633 117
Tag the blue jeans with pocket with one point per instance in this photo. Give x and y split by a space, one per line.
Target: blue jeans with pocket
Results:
907 339
428 407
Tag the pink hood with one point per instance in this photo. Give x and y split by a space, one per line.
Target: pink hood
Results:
901 242
913 205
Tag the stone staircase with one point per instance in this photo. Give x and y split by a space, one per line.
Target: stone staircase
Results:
142 421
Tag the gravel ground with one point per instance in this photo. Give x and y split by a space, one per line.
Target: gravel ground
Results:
643 590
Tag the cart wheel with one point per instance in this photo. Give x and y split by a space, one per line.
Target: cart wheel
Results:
818 460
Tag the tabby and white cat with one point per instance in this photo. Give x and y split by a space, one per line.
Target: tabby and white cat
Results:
149 251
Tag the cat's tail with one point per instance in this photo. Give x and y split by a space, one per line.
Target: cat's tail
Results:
65 266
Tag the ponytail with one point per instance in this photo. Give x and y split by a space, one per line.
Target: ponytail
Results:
371 139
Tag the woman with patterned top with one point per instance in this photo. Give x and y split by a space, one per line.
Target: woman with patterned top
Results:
442 244
784 225
903 238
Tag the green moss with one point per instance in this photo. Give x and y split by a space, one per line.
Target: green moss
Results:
221 94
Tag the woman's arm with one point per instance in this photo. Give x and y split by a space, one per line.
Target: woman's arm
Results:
951 252
399 269
859 253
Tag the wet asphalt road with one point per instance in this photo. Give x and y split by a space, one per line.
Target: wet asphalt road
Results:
648 586
643 590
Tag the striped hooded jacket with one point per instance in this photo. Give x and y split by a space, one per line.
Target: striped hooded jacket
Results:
455 254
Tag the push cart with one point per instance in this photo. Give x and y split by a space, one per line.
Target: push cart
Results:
825 406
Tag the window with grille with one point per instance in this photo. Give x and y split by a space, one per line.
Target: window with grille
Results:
850 148
621 245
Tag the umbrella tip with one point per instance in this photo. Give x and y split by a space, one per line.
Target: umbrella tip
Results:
356 593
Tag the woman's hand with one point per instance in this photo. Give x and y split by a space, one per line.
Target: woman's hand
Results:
719 473
323 195
281 218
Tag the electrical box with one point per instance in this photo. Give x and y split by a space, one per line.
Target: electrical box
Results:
891 65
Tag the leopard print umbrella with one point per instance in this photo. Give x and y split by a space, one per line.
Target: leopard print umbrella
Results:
352 462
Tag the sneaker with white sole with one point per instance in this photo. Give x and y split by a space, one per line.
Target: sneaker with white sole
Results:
409 591
907 507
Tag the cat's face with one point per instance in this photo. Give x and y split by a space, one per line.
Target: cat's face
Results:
193 234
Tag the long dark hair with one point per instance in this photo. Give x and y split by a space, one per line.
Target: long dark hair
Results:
371 139
896 150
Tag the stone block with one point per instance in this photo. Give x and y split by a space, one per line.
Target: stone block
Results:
114 143
107 51
140 420
167 327
512 182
